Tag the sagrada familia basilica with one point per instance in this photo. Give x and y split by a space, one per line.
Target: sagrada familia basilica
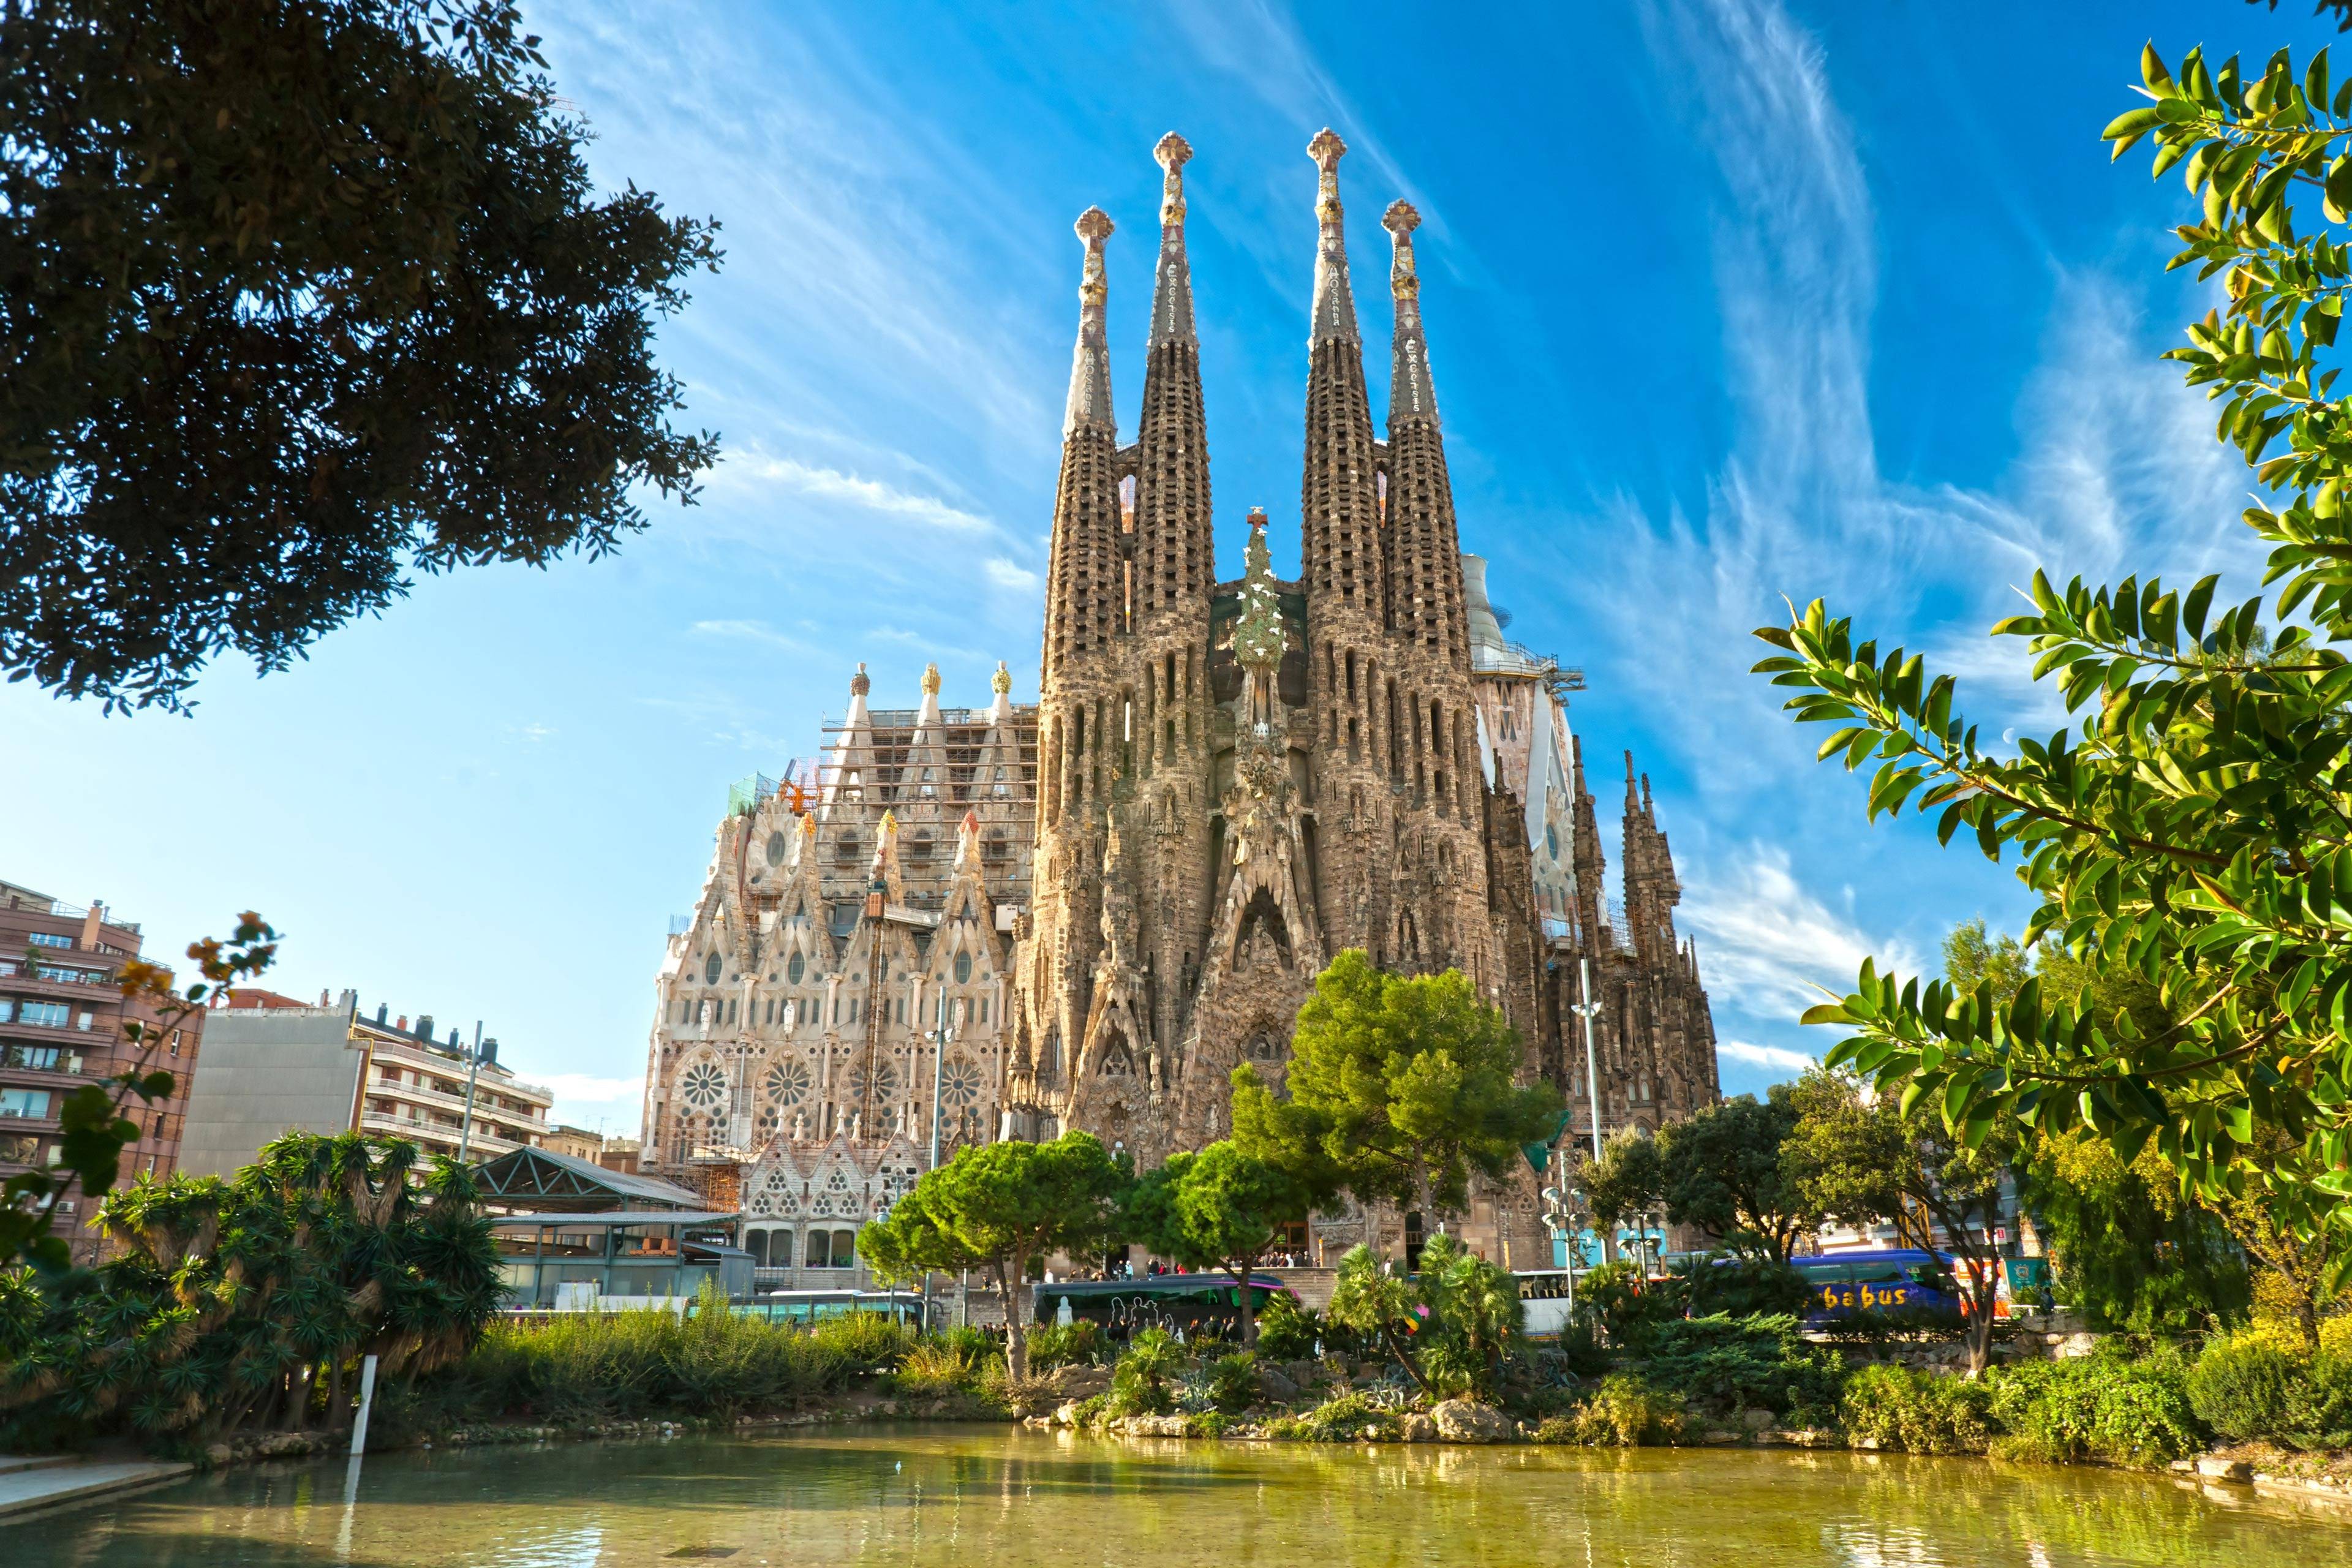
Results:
1008 921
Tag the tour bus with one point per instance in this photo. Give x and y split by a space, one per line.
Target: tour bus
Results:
810 1306
1904 1281
1194 1303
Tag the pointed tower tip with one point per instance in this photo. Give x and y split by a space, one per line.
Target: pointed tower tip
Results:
1402 218
858 684
1090 405
931 680
1171 290
1335 303
1001 682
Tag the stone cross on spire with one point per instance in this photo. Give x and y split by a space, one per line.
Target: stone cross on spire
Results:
1412 393
1171 302
1090 365
1335 307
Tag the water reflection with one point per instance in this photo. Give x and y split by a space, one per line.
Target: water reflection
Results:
978 1495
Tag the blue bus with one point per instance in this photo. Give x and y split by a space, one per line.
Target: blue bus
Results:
1901 1281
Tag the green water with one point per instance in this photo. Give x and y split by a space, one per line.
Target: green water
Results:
1004 1499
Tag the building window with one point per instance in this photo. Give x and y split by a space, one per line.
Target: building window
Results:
47 939
797 968
711 966
963 968
32 1104
49 1014
983 1009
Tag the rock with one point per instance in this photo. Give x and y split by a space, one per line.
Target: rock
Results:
1756 1420
1717 1437
1369 1372
1078 1382
2219 1469
1155 1426
1460 1421
2183 1466
1067 1415
219 1454
1417 1428
1276 1385
1305 1373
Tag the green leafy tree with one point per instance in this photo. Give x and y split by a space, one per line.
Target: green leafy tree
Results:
1217 1209
304 294
2126 1248
94 1131
1972 958
1860 1159
1629 1178
240 1304
997 1206
2190 829
1721 1171
1478 1312
1398 1088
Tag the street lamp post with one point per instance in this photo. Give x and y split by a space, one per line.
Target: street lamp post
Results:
1589 1010
941 1036
472 1072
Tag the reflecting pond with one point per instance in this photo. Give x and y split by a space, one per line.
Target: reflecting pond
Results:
1003 1498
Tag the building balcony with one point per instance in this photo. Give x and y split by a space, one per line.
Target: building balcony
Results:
454 1103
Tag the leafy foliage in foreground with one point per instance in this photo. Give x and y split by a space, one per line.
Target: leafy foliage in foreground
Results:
301 294
2194 830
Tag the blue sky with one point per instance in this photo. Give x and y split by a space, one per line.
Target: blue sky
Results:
1726 301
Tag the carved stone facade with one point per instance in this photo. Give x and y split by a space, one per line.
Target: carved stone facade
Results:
847 916
1223 785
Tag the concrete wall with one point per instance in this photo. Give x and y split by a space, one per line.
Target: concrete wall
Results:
267 1071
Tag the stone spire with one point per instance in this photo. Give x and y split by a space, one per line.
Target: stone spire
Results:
1339 539
1175 567
1426 597
1335 306
1084 590
1090 365
1171 292
1412 394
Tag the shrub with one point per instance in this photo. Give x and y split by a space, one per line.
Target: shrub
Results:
1626 1411
959 1362
873 1340
1741 1287
1740 1362
1344 1418
1233 1382
1287 1331
2110 1407
1625 1305
1053 1345
1139 1386
1919 1411
2245 1385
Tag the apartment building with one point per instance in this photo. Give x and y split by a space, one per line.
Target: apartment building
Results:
62 1018
285 1064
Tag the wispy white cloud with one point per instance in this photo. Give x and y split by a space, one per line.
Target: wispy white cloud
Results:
1770 948
1008 574
750 631
1777 1057
852 489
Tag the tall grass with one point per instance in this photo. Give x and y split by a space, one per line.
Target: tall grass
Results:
578 1369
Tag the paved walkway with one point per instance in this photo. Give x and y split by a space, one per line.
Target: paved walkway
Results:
28 1484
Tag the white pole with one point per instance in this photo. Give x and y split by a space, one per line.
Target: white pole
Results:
1591 1066
367 1403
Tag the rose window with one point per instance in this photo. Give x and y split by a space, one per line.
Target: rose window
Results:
704 1087
882 1080
959 1083
788 1083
